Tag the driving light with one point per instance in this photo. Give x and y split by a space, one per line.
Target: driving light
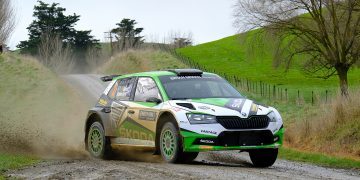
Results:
272 116
201 119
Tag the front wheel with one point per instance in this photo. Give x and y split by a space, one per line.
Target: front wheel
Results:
263 157
171 146
98 144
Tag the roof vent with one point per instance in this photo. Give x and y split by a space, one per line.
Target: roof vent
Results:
109 78
187 72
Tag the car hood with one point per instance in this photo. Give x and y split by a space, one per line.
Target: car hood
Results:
222 106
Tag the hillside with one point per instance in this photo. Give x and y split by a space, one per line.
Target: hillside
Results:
330 128
40 115
250 56
140 60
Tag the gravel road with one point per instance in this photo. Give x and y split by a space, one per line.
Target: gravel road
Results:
144 165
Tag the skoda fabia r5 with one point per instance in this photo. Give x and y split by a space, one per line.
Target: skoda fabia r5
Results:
179 113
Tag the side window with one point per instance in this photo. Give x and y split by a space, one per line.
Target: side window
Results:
124 89
113 90
146 88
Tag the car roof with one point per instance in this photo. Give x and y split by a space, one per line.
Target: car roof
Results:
153 74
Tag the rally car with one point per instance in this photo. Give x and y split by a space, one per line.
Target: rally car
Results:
179 113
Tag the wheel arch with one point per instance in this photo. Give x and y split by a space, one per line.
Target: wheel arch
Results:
164 117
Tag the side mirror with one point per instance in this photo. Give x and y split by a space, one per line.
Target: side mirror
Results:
153 100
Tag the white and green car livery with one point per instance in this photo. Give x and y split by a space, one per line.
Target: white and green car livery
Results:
179 113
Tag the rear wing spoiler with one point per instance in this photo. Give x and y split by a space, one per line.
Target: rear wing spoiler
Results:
109 78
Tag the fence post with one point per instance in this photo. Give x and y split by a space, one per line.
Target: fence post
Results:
247 85
326 95
256 85
312 97
298 95
286 95
269 91
274 92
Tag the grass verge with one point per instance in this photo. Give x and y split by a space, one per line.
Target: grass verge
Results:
10 161
318 159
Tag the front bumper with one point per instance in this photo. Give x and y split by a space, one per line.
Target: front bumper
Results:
232 140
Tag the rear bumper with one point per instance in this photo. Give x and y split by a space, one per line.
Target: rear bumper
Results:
232 140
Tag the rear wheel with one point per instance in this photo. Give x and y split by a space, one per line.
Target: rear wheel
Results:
171 145
98 144
263 157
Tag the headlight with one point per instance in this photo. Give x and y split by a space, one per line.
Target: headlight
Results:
201 119
272 116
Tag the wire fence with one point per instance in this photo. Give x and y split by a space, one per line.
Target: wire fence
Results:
258 89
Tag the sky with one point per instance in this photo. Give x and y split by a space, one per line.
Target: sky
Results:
207 20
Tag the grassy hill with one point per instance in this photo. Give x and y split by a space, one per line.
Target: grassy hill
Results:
250 55
40 115
330 128
140 60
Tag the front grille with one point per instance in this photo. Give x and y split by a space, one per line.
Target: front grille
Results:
246 138
235 122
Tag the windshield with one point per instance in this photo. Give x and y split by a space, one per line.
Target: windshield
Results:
196 87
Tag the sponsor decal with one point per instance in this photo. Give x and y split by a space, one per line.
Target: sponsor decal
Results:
134 134
235 104
132 130
209 132
207 141
176 109
192 77
147 115
205 147
204 107
103 102
117 112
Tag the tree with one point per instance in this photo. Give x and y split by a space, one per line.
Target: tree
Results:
81 43
179 39
50 21
7 21
326 32
127 35
54 54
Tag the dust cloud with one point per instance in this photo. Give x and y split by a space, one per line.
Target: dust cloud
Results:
47 124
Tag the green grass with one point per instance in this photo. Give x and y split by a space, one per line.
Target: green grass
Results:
250 56
9 161
318 159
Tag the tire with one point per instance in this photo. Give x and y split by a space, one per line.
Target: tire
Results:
171 145
98 144
263 157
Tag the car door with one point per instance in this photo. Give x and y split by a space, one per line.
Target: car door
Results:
121 110
139 124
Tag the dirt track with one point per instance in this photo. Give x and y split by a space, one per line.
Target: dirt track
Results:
144 165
